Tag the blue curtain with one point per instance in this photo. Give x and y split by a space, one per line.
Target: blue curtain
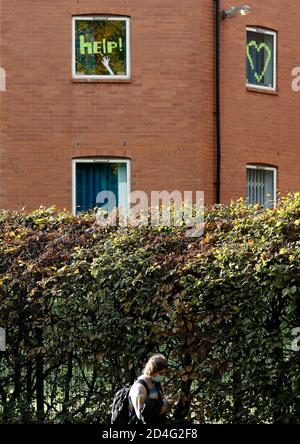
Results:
92 178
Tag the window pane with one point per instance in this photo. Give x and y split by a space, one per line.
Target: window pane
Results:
100 47
269 189
260 59
92 178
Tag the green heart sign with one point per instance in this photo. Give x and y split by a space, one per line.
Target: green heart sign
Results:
259 47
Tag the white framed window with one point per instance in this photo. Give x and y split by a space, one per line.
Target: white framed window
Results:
262 185
92 177
261 60
101 47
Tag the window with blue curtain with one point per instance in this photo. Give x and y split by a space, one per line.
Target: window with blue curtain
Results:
91 179
260 53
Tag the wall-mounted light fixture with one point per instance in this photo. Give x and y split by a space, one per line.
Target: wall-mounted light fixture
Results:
235 10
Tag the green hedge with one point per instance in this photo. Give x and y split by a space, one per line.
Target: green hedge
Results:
84 306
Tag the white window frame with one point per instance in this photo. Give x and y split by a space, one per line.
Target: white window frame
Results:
128 49
123 200
262 167
274 34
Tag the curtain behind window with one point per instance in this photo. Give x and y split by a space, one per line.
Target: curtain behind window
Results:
91 179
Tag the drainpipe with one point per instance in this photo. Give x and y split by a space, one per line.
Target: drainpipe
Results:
217 102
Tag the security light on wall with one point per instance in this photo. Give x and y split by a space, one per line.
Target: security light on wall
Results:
234 10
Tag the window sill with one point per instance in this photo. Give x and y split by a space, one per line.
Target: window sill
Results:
101 80
262 91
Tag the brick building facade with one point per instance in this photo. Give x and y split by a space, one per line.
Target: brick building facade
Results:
158 124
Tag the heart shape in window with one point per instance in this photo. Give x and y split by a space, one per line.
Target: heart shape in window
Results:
259 47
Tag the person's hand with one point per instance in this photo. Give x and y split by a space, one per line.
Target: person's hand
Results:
171 401
168 404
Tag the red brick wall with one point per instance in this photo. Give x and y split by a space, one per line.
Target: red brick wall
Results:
163 119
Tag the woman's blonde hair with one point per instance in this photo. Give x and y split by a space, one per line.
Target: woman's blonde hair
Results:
155 364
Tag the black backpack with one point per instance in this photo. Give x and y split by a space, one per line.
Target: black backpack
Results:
120 406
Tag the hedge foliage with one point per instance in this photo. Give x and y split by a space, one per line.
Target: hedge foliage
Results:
84 306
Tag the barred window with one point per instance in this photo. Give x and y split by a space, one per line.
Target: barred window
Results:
261 185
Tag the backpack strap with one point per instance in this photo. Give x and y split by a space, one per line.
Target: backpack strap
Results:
159 389
141 381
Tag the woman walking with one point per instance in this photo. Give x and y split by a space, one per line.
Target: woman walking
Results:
147 403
